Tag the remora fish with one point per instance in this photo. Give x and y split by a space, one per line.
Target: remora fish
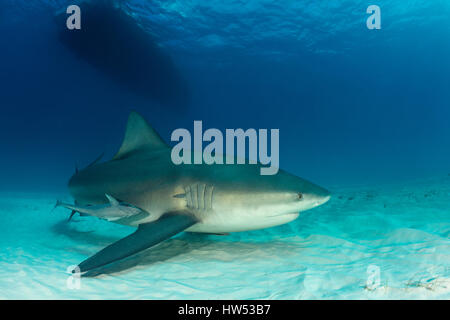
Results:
196 198
112 211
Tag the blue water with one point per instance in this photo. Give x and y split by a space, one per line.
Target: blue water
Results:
362 112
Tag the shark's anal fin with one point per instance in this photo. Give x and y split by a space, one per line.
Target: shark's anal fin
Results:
146 236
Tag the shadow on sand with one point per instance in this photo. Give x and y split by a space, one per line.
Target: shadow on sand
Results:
180 245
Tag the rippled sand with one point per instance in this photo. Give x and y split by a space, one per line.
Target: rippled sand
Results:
388 242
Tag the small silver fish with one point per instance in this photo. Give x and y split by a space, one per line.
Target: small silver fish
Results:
112 211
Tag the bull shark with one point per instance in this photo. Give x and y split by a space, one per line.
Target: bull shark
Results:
171 198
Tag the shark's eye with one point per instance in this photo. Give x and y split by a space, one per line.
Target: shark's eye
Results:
300 196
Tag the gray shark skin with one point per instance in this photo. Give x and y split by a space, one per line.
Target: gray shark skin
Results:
195 198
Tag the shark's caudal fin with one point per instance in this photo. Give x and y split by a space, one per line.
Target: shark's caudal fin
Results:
139 136
146 236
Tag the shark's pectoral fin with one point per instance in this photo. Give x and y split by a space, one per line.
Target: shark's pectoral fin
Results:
146 236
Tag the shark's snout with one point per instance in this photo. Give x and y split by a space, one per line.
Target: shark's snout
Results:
315 196
323 196
322 199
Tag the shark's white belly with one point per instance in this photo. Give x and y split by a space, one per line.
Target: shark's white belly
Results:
223 214
225 224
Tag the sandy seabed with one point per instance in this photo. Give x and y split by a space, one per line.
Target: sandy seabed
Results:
387 242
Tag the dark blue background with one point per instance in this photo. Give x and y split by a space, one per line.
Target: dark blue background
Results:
361 106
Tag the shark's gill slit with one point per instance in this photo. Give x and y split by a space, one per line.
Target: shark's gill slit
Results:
204 197
208 194
194 197
188 197
212 197
201 196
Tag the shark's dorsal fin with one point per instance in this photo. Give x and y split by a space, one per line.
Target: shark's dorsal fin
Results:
139 136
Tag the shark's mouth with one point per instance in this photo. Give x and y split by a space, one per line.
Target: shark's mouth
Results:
284 214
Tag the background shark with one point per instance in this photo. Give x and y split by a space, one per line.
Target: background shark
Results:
115 44
196 198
